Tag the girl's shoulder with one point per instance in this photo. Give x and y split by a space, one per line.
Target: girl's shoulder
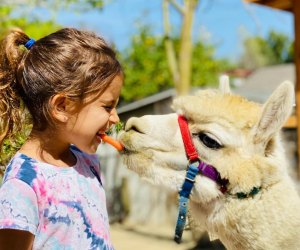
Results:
31 171
89 159
23 168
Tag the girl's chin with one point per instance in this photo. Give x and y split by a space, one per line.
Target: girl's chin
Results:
89 149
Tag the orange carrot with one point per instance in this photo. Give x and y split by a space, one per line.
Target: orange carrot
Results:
112 142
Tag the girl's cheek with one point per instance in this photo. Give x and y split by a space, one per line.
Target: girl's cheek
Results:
102 115
104 123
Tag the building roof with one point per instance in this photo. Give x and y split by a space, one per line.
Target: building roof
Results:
257 87
263 81
147 100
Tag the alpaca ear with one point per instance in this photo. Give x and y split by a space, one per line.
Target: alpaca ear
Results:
275 112
224 85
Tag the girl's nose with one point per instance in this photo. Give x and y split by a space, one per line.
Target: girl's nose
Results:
114 118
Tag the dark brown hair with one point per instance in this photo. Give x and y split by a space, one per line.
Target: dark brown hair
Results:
75 63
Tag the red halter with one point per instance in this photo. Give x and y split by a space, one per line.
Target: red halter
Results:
192 154
187 140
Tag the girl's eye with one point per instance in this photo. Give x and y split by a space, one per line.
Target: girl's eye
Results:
108 108
208 141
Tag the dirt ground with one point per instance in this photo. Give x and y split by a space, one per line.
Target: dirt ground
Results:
135 237
131 237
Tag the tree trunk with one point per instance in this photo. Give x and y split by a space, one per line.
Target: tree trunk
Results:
169 46
181 66
185 52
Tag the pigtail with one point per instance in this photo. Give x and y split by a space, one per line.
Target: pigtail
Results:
11 55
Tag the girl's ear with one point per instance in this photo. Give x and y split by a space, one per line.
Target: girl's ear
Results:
275 112
60 107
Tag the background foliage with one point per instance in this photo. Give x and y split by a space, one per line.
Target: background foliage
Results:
146 67
276 48
33 27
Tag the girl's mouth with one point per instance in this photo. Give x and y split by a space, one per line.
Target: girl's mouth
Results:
98 136
102 137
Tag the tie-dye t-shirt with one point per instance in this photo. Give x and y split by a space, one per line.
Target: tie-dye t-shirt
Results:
64 207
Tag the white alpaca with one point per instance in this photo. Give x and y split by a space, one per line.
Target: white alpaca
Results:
241 140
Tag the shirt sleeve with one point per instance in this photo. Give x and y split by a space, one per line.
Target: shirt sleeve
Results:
18 206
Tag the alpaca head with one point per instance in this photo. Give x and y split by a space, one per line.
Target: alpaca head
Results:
236 136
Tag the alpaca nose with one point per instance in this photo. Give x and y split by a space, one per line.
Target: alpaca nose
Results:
135 124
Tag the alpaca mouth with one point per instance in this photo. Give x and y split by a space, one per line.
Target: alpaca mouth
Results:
125 139
134 142
125 151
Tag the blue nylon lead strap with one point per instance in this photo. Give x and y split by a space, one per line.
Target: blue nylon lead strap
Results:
183 199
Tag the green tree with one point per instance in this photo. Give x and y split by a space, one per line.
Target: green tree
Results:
276 48
30 22
145 66
55 5
205 67
290 54
280 45
147 70
33 27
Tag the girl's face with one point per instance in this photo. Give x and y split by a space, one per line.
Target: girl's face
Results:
95 117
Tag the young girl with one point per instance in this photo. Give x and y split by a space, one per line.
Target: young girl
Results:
52 196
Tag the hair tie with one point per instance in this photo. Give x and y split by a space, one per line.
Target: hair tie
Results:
29 43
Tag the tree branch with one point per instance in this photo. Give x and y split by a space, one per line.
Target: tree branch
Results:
177 6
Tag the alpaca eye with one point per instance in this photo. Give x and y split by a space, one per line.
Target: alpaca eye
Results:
208 141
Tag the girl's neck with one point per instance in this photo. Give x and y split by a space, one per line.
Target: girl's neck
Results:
49 148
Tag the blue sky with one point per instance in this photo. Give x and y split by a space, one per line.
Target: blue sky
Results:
224 23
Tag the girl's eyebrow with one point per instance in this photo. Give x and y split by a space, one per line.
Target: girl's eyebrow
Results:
110 101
